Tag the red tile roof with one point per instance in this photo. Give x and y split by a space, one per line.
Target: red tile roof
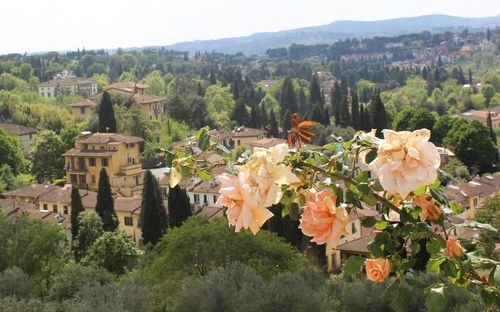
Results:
14 129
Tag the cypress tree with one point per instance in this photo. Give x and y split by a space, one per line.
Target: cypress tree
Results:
107 121
345 117
273 125
286 123
240 113
264 118
288 101
152 219
317 114
489 122
213 80
255 118
336 102
355 111
379 118
179 208
366 118
105 207
315 91
470 76
362 125
76 208
303 105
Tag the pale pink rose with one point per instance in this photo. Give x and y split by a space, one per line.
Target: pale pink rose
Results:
322 219
256 187
429 208
377 270
453 247
405 161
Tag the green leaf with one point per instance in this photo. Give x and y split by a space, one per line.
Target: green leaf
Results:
377 187
435 300
353 265
488 296
169 157
370 199
433 264
436 184
294 211
400 302
368 222
375 249
205 176
456 208
363 188
477 225
371 155
449 268
415 282
381 225
439 196
391 291
433 247
203 139
420 191
362 177
223 149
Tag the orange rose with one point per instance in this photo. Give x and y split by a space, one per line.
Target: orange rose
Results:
429 208
453 247
378 269
322 219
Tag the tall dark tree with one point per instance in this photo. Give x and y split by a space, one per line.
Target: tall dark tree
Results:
362 122
315 91
304 107
179 208
255 118
105 206
489 123
213 80
153 217
286 123
336 102
378 114
107 121
317 114
355 111
273 125
470 76
345 116
76 209
240 113
367 120
288 100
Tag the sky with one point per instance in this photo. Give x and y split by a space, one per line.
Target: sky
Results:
57 25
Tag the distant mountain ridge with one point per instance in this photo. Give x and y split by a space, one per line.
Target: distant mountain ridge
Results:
258 43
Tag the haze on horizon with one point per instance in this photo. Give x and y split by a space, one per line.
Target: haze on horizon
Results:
56 25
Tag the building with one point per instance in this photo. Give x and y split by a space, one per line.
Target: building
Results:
29 193
118 154
83 109
25 134
482 115
67 86
59 200
152 106
127 87
128 210
241 136
445 155
270 142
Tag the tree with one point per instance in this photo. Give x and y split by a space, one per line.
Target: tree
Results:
220 104
212 79
11 152
489 123
240 113
411 119
47 161
379 118
488 92
76 209
345 116
68 134
255 117
473 145
456 170
179 109
199 112
315 91
355 116
89 230
489 213
286 123
107 121
288 100
113 251
317 114
179 208
153 217
8 180
105 207
156 83
336 102
441 128
273 125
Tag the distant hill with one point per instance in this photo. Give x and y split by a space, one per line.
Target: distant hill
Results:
258 43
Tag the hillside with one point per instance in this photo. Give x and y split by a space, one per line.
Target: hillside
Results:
258 43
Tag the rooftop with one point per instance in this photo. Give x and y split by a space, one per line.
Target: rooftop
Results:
146 99
270 142
71 81
128 204
105 138
14 129
126 86
33 190
246 132
359 245
84 103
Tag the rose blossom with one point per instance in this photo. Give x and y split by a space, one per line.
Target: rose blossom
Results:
256 187
377 269
322 220
453 247
429 208
405 161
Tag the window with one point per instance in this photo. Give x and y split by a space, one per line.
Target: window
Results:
104 162
54 208
93 179
128 221
45 207
196 198
215 198
205 199
65 210
238 142
92 162
475 201
82 110
353 228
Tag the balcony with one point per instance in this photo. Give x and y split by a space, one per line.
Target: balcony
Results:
70 168
131 169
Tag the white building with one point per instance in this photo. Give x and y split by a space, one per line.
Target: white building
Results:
66 86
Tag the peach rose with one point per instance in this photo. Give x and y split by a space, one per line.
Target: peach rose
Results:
378 269
405 161
256 187
322 219
429 208
453 247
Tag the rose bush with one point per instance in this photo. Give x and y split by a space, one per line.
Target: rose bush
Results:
322 188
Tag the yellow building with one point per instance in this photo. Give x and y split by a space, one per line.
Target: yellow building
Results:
152 106
128 210
242 136
118 154
82 110
25 134
59 200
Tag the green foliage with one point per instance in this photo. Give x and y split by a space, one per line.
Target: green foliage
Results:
411 119
489 212
14 282
8 180
156 83
89 230
107 121
179 207
113 251
455 170
153 217
76 210
379 118
47 161
68 135
11 152
220 103
105 206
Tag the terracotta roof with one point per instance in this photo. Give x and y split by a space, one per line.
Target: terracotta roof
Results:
242 132
128 204
270 142
93 153
126 86
475 188
212 212
490 179
14 129
9 205
482 114
63 195
210 187
145 99
89 199
84 103
357 245
66 82
100 138
34 190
